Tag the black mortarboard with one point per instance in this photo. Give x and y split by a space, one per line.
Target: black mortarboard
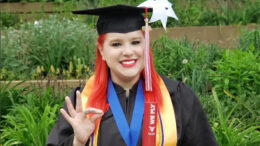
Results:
117 18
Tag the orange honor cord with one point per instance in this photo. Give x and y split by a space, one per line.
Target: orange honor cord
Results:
94 136
167 117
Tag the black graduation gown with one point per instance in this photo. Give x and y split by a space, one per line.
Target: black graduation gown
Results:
193 128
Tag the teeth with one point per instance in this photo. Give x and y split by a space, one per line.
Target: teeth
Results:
128 62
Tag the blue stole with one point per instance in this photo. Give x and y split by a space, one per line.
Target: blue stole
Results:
130 135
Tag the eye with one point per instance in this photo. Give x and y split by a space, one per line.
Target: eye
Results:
136 42
116 44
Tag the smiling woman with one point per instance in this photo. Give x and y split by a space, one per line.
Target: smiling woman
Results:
123 53
115 107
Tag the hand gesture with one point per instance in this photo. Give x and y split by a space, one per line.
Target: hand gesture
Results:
82 126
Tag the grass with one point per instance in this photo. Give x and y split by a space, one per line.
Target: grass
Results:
30 116
28 127
232 131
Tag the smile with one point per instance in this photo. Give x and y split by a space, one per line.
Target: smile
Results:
128 63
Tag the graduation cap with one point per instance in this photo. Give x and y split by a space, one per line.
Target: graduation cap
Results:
117 18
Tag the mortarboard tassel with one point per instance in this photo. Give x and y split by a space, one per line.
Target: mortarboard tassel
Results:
148 78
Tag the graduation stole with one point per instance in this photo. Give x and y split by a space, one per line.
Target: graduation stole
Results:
166 132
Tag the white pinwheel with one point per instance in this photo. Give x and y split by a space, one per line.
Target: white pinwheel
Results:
162 9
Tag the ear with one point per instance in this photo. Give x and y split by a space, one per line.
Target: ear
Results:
100 49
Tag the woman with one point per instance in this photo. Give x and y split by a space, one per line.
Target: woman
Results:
114 108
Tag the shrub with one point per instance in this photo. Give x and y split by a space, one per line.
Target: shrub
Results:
185 61
250 41
51 42
9 19
238 72
30 116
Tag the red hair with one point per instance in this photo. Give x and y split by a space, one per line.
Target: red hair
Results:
98 97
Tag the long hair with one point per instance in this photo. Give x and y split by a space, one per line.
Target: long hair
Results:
98 97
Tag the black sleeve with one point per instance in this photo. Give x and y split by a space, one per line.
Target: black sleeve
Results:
62 133
192 120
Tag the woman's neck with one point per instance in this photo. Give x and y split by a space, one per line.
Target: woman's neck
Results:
127 84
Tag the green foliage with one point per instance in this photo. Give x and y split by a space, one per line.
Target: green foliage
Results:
250 41
185 61
231 131
12 53
238 72
212 12
241 102
243 12
9 19
59 42
28 127
189 12
208 104
5 74
77 69
10 95
30 117
201 12
37 1
51 42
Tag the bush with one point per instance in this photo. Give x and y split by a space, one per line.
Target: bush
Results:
238 72
50 43
250 41
30 116
185 61
236 77
9 19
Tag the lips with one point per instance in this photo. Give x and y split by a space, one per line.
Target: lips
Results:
128 62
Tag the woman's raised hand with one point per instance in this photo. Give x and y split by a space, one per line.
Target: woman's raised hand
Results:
82 126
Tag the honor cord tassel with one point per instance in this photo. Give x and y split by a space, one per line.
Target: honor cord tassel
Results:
148 78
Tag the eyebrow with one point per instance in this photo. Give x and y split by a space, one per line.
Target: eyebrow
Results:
118 40
115 40
136 38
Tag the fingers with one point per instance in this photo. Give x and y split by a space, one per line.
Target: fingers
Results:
95 117
93 110
97 113
78 102
66 116
71 109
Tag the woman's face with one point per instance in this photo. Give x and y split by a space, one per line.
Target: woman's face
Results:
123 53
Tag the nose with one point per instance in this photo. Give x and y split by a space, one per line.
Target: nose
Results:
127 50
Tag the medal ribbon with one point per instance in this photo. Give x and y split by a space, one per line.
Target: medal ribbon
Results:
130 135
